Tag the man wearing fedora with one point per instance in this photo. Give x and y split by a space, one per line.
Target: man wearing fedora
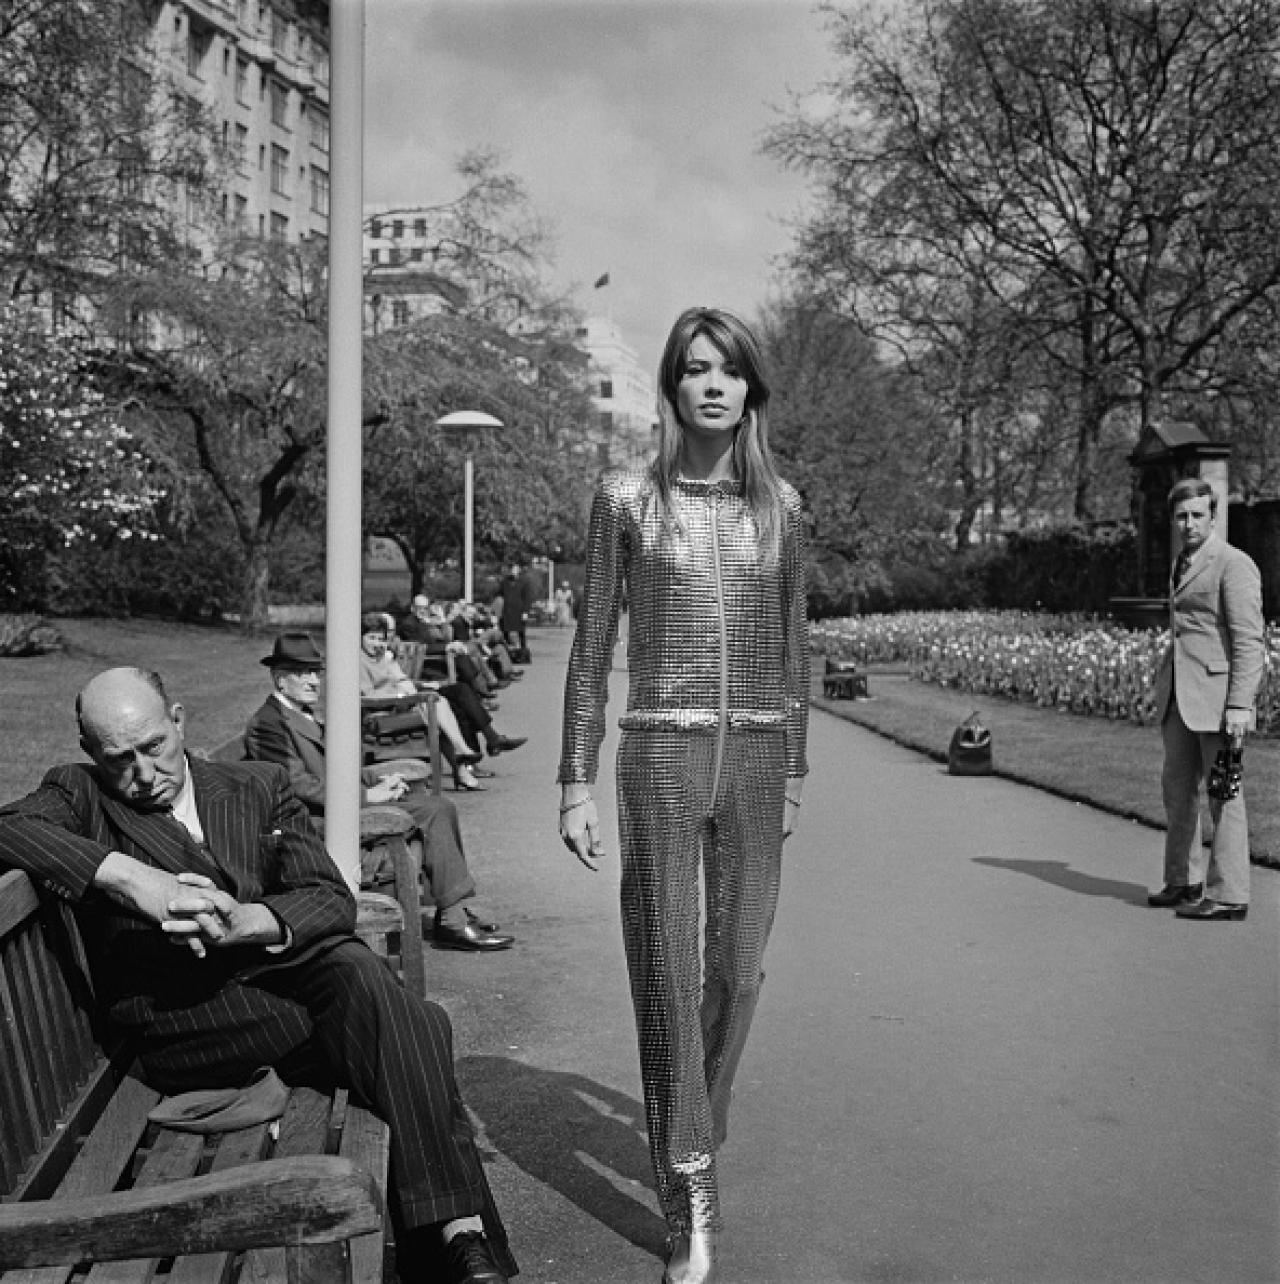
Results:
285 730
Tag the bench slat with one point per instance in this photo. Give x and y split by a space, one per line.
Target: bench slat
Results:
235 1149
173 1156
366 1142
321 1199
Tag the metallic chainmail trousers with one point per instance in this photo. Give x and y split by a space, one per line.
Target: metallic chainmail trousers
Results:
692 1014
716 720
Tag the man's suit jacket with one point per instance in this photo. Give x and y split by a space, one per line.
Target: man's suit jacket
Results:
259 846
1216 649
285 736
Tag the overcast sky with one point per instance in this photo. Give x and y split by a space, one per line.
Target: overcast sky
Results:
634 124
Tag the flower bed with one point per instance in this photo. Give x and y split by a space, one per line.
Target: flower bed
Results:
1074 663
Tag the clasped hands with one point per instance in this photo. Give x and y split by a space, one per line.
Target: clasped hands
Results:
190 908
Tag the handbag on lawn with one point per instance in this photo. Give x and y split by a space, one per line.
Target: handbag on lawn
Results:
969 753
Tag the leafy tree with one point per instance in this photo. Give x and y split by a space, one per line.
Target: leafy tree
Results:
229 374
847 430
1104 172
74 473
95 143
531 494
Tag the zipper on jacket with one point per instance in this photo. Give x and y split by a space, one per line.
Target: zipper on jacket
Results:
722 726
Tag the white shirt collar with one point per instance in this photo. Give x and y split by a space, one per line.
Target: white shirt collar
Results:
184 808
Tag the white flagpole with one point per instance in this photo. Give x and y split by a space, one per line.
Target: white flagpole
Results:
343 546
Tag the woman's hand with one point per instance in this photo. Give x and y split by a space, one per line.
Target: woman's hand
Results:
580 825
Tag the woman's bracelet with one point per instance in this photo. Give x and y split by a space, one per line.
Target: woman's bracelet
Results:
582 802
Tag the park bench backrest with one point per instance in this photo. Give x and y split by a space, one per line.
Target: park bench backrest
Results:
52 1067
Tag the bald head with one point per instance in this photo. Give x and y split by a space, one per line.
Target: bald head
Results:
134 735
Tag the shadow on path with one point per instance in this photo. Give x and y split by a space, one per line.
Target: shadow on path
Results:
574 1135
1060 874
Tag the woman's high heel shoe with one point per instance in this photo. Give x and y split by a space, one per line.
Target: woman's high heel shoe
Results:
464 781
691 1258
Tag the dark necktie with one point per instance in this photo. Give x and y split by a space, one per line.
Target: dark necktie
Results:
1180 567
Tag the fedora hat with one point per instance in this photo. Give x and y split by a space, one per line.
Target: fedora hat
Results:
294 651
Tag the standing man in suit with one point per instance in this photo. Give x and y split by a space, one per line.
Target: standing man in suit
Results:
220 938
517 598
285 731
1205 693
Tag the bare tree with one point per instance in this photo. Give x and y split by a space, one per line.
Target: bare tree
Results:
1105 171
95 143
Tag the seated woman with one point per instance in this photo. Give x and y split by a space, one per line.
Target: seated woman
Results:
463 719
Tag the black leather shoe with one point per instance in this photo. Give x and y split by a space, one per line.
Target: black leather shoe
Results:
1176 894
470 937
503 744
470 1260
484 922
1213 912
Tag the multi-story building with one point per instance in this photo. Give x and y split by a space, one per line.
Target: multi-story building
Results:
623 394
260 69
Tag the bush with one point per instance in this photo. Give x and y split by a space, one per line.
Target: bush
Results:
1075 663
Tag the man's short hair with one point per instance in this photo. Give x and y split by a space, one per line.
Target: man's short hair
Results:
373 622
1193 488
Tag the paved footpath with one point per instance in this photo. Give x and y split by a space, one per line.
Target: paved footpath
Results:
979 1056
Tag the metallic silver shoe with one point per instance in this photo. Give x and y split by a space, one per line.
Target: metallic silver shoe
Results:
691 1258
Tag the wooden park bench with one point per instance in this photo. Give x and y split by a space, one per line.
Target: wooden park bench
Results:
85 1178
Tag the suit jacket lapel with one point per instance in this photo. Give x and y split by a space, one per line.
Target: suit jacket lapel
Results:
220 809
301 725
1207 557
157 834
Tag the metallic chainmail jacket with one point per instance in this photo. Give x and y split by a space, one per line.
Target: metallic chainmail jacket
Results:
711 632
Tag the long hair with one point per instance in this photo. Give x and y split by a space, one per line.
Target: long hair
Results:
752 458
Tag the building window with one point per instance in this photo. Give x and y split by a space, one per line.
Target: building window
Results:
279 104
279 170
375 257
279 227
606 421
397 228
242 147
393 256
419 227
606 389
415 254
242 212
399 312
279 32
320 130
226 61
319 191
242 82
375 229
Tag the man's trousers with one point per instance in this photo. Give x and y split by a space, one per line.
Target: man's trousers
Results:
693 1015
1188 756
340 1016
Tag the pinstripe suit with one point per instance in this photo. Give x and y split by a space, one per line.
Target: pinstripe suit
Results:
325 1008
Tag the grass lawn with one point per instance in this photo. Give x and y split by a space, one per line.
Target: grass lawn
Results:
213 672
216 675
1112 765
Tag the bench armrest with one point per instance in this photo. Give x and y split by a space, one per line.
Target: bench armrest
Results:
309 1199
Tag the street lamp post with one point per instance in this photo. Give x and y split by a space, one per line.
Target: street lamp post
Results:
468 421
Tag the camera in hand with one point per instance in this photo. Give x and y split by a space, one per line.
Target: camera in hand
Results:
1226 773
